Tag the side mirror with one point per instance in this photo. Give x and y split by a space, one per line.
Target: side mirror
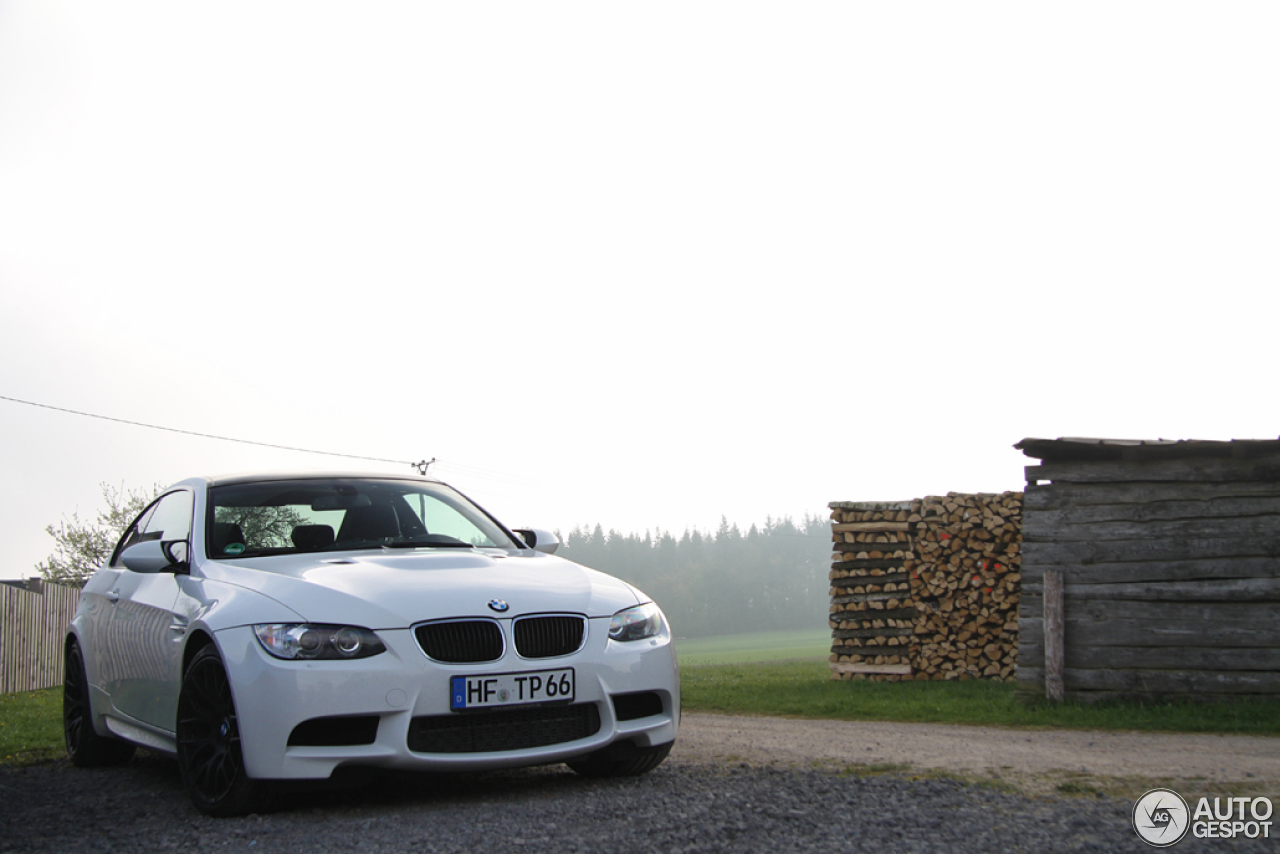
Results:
178 552
152 556
539 540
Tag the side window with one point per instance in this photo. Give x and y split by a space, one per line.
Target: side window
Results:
167 519
171 519
133 534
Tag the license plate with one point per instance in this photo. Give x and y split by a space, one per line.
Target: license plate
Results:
510 689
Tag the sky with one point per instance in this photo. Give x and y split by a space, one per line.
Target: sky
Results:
646 265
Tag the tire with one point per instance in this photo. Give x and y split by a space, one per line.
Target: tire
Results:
84 746
621 759
210 758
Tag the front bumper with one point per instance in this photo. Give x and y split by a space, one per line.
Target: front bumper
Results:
392 698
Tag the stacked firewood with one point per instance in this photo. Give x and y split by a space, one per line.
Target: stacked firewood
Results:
926 589
968 583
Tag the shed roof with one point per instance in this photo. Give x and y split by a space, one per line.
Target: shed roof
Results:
1073 449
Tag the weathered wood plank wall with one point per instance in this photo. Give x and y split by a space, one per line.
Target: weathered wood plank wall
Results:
1171 569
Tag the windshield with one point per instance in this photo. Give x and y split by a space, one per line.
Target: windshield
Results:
338 514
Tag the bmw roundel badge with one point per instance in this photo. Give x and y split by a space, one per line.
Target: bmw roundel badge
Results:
498 605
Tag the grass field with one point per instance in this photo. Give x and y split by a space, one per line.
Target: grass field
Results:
803 689
808 644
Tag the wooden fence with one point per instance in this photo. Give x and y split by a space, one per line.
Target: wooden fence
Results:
33 624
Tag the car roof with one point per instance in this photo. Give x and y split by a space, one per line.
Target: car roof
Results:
263 477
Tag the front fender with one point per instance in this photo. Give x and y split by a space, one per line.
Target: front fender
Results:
211 606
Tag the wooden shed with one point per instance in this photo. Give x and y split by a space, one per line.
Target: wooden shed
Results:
1168 556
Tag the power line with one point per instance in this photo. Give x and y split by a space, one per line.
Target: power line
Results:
420 465
488 474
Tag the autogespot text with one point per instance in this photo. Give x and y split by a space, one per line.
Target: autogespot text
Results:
1232 817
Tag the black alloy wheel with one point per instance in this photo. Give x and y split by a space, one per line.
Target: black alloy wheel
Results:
208 736
84 746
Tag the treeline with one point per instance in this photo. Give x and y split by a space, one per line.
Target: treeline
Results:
771 577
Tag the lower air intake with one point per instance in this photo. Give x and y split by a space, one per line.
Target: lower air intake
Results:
508 729
335 732
629 707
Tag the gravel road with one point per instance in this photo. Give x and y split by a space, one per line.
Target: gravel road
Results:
1033 761
700 800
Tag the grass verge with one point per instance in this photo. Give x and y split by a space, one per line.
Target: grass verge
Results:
31 727
803 689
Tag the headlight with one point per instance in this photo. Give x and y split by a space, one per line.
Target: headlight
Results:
638 623
305 641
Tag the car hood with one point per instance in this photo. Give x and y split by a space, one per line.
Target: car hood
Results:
383 590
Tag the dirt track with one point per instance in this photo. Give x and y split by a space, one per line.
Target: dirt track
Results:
1032 760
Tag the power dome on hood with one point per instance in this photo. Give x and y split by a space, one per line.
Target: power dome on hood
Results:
394 588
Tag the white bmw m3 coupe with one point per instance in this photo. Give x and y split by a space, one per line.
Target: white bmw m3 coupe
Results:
279 627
